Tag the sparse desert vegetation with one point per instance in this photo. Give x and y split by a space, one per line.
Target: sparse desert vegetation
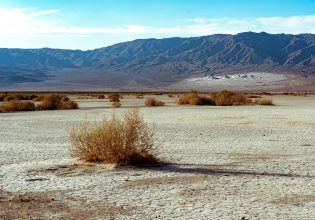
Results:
55 101
115 100
17 102
226 98
263 101
201 146
153 102
193 98
114 97
127 140
16 97
101 96
13 106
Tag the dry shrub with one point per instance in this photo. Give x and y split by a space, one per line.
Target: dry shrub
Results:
52 102
2 96
193 98
263 101
225 98
17 106
125 141
153 102
116 104
114 97
17 97
101 96
68 105
170 95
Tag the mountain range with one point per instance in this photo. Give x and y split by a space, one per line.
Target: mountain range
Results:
159 63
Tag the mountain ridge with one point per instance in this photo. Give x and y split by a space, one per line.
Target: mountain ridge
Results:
163 61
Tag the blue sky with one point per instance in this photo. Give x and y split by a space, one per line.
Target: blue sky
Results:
89 24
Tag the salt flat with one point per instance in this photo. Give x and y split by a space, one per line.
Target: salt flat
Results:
250 162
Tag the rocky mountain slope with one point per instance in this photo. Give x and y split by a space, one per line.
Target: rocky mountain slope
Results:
162 61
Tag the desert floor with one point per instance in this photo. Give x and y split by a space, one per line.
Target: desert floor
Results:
239 162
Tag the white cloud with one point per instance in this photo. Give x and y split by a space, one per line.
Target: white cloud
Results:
41 13
40 24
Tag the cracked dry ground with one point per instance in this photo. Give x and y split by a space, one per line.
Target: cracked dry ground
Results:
252 162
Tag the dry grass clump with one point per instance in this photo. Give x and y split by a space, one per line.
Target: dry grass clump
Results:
225 98
170 95
68 105
126 141
53 102
153 102
263 101
7 97
2 96
101 96
14 106
116 104
193 98
114 97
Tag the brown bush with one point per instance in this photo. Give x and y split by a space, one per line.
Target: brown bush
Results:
153 102
101 96
263 101
2 96
53 102
64 99
17 106
17 97
225 98
126 141
116 104
193 98
67 105
114 97
170 95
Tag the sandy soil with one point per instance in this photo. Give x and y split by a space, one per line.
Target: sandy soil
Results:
247 162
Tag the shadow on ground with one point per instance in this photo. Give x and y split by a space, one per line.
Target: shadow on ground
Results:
214 169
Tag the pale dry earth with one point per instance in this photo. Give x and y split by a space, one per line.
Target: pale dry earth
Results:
239 162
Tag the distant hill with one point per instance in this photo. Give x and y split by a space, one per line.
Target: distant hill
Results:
159 62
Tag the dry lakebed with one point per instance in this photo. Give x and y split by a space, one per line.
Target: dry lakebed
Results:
235 162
